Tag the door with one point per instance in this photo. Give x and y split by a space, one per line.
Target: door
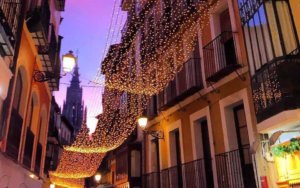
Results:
155 179
244 146
178 159
207 155
227 38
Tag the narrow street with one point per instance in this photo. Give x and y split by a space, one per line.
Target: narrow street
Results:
149 94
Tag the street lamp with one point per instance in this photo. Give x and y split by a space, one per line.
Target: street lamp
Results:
69 62
142 121
97 178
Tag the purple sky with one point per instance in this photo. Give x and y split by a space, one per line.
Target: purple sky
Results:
84 28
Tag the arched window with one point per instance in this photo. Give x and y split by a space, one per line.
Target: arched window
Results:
18 93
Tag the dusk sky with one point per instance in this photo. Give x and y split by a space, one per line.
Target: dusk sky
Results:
85 29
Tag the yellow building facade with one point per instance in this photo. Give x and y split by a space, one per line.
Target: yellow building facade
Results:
208 133
25 127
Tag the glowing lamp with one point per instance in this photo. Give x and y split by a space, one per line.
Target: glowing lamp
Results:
52 185
98 177
142 121
69 62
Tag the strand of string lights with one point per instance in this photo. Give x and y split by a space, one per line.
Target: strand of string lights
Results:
100 79
107 38
166 44
173 34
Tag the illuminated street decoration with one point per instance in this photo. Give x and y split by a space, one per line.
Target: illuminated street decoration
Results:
114 126
78 165
130 79
67 182
166 44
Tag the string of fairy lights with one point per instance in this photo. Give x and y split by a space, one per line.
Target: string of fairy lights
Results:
164 40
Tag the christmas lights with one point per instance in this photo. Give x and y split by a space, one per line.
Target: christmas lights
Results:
154 46
67 182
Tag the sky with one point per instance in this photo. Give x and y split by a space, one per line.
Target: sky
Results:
85 28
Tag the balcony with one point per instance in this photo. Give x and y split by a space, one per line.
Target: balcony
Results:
194 174
191 174
220 57
188 82
235 169
151 180
28 148
170 177
48 45
38 159
9 19
276 86
14 135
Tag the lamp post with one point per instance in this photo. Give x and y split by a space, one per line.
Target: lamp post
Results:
143 121
69 62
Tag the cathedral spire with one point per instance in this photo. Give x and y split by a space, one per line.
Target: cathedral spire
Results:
73 108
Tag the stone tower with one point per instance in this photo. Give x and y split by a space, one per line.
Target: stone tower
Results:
73 107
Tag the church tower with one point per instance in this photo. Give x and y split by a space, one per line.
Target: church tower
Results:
73 107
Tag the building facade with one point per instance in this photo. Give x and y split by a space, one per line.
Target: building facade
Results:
230 116
271 30
25 114
122 167
60 133
206 112
73 106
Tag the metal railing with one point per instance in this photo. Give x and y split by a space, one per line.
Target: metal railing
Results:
170 177
229 170
188 81
28 148
220 57
151 180
14 134
194 174
10 11
275 87
248 8
191 174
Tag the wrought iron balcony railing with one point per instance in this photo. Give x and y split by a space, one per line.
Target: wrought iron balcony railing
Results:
248 8
194 175
28 148
276 86
191 175
38 159
48 45
10 11
151 180
189 81
235 169
14 135
39 24
170 177
220 57
229 170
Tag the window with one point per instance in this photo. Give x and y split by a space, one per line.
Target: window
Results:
135 163
269 31
18 92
